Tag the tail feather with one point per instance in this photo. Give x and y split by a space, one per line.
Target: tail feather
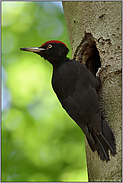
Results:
103 142
102 151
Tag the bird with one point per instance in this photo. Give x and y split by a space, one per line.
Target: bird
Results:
76 89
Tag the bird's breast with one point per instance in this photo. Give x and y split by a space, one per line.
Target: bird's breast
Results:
64 81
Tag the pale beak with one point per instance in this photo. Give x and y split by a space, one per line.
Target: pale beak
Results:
32 49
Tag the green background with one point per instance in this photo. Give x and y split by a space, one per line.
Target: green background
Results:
40 142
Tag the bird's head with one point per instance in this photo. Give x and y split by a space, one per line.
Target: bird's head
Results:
53 51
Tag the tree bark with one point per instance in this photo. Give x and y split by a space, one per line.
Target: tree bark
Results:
103 20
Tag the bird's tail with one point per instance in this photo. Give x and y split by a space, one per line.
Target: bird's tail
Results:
103 142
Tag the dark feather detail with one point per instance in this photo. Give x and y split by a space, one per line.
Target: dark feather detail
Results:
103 142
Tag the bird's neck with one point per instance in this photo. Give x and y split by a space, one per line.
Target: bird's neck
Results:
56 63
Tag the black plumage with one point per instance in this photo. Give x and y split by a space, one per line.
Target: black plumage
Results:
75 87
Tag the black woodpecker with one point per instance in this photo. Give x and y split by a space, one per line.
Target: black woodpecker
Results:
75 87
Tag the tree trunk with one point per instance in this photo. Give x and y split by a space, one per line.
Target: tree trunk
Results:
103 20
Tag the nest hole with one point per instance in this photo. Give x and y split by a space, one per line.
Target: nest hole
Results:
88 54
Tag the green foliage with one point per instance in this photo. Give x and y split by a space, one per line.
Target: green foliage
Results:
40 142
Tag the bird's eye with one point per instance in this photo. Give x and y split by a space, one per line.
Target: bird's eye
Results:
49 46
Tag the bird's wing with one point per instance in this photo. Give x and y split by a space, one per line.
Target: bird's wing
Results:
83 108
72 85
77 95
82 105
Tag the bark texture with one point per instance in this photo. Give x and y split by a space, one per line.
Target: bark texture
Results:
103 20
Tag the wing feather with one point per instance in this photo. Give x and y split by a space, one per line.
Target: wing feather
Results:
74 88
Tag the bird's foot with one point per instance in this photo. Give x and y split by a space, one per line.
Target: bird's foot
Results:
101 70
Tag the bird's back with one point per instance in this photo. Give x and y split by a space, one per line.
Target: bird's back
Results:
72 84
